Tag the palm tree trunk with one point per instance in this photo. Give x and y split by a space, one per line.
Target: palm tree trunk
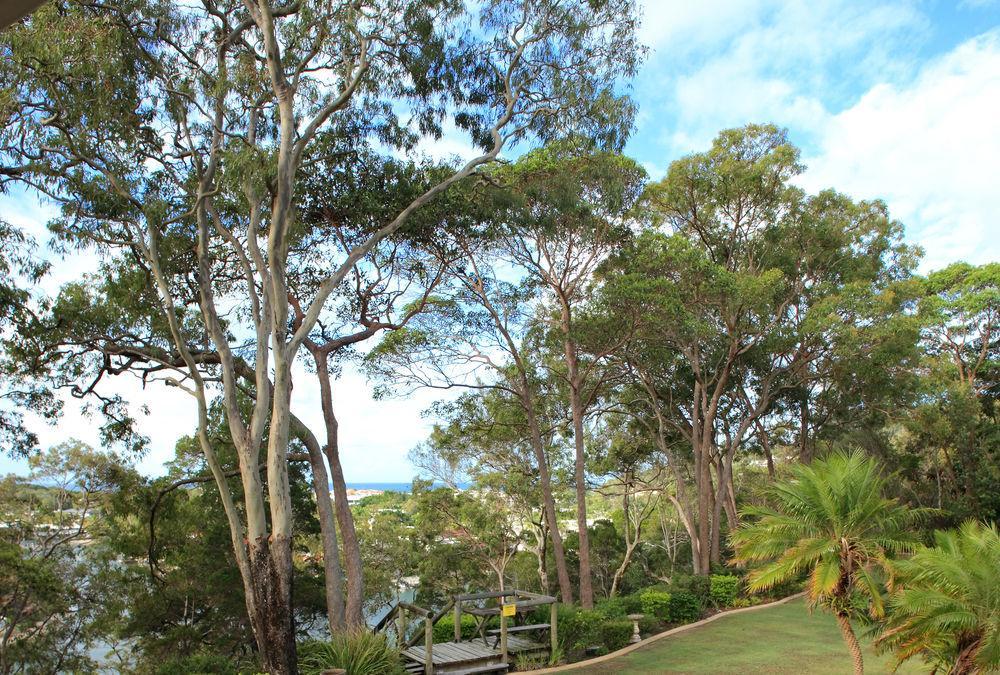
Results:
852 643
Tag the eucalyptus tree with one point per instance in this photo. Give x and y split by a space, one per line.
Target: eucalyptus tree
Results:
478 521
568 212
482 437
749 286
346 196
52 594
20 269
961 307
629 468
953 425
480 333
189 155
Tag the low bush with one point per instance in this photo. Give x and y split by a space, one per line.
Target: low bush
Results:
620 606
655 603
723 589
684 607
699 586
579 629
197 664
648 625
359 653
444 629
615 634
530 662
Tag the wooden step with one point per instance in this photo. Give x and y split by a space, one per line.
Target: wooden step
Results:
493 668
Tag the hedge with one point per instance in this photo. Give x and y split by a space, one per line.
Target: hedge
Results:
615 634
655 603
724 589
444 629
684 607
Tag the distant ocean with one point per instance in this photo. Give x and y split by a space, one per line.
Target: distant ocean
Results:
392 487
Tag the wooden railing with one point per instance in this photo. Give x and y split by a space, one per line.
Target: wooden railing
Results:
401 610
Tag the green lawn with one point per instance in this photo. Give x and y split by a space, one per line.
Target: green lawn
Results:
782 639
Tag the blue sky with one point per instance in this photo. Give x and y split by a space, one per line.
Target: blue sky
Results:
887 99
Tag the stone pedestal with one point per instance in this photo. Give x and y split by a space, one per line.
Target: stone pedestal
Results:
634 618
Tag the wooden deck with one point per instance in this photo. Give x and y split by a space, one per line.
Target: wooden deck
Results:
455 657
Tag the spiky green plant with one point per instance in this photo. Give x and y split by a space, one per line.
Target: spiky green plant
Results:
945 606
831 519
359 652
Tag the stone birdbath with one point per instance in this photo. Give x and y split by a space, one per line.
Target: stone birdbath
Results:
634 618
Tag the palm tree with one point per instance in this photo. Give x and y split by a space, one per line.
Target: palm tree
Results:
947 606
831 519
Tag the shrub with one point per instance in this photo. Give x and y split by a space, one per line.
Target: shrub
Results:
684 607
530 661
655 603
620 606
697 585
723 589
579 629
444 629
359 653
197 664
615 634
649 625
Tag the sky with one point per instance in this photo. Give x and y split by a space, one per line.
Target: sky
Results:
895 100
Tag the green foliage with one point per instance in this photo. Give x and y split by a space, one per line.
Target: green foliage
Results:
615 634
620 606
198 664
578 628
648 625
830 518
56 594
656 603
359 653
945 607
724 589
444 629
535 661
684 607
698 585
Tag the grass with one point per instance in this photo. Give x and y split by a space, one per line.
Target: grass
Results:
781 639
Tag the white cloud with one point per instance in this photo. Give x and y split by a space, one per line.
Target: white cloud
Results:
930 149
684 25
721 63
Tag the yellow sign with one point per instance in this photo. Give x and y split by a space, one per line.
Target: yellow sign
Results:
509 610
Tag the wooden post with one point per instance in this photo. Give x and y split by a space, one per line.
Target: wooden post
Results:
503 636
458 621
401 625
428 646
553 619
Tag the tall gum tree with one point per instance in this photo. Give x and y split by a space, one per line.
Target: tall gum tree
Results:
346 196
569 211
482 436
480 334
205 106
748 282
